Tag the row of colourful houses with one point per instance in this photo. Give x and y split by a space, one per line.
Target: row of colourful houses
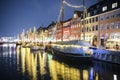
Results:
102 21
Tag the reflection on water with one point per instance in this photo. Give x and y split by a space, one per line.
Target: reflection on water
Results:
28 63
107 71
39 65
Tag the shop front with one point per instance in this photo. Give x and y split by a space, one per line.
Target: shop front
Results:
113 42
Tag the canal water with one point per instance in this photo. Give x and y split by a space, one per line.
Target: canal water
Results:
22 64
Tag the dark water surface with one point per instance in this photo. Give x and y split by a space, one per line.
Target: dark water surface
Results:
22 64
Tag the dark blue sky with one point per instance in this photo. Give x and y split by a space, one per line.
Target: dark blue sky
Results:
16 15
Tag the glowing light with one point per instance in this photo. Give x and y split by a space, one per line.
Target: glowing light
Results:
114 77
85 75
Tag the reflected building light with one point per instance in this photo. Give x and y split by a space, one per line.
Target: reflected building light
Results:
10 53
18 59
5 45
91 74
85 75
56 68
28 62
5 54
14 52
34 67
41 62
49 57
114 77
12 45
9 45
96 77
23 60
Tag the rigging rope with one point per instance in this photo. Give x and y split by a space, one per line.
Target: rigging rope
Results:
74 6
59 14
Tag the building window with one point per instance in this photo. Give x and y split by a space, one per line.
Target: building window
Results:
107 16
118 14
114 5
112 25
89 28
92 28
82 29
98 6
96 19
101 27
104 8
118 25
82 22
95 11
107 26
87 21
92 19
96 27
112 15
75 16
101 17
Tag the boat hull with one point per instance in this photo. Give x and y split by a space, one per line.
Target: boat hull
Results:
71 57
113 57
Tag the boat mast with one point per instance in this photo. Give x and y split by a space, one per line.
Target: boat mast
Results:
62 18
62 10
83 19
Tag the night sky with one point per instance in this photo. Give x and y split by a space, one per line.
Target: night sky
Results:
16 15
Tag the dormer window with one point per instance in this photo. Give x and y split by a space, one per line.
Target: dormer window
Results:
104 8
114 5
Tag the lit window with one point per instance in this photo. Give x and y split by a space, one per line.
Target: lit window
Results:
107 26
118 13
112 15
75 15
101 27
107 16
118 25
114 5
112 25
104 8
101 17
